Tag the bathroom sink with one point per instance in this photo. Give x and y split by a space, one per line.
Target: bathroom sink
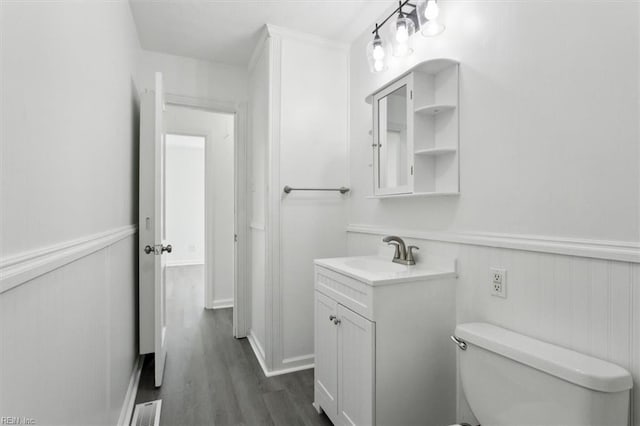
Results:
374 264
376 270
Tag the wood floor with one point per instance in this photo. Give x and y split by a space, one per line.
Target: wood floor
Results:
211 377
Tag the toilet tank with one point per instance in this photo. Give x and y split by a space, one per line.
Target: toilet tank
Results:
511 379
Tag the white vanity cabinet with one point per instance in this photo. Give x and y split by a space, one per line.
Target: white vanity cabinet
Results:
382 349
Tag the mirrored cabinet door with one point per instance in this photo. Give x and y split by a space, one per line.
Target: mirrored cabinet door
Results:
393 138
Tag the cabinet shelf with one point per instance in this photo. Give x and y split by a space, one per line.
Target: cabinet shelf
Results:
432 152
434 109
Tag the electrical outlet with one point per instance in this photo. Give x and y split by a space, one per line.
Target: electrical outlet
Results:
498 279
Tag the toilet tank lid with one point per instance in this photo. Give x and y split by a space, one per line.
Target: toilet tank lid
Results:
572 366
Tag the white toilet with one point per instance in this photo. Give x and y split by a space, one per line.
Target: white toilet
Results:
510 379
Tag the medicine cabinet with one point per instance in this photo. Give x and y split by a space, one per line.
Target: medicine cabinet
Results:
416 132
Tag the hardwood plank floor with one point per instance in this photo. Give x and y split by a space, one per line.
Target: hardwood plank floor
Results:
212 378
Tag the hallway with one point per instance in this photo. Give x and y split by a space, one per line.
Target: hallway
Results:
213 378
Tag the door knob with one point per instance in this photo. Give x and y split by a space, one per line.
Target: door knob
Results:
167 248
148 249
332 317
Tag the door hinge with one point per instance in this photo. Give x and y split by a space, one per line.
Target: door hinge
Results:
235 238
411 170
411 94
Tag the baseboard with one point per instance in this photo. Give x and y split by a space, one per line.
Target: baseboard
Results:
290 370
222 304
259 353
171 264
299 359
132 390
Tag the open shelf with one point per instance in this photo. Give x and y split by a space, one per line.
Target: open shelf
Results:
435 151
434 109
413 195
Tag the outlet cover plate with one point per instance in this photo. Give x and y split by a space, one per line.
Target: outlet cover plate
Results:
498 280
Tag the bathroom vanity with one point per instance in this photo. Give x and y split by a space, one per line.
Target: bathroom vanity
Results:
382 349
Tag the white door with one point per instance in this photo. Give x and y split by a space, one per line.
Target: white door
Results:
326 355
152 226
356 353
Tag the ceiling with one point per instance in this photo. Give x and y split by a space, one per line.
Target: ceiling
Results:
226 30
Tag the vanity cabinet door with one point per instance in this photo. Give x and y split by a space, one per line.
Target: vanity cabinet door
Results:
356 353
326 354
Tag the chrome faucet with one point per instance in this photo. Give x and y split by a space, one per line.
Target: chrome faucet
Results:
403 254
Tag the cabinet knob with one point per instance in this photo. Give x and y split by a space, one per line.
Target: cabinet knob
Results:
332 317
337 321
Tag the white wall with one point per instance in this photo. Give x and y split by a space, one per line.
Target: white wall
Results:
298 114
218 129
539 152
192 77
184 198
68 165
313 153
541 156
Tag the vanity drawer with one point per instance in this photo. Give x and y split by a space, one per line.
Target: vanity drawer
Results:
350 293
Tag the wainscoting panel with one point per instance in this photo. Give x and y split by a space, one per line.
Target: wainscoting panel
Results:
69 339
589 305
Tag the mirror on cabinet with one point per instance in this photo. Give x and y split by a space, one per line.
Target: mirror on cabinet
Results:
416 132
392 139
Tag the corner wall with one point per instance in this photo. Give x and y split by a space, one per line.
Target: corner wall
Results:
68 197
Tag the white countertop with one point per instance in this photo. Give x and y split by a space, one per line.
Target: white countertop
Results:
375 270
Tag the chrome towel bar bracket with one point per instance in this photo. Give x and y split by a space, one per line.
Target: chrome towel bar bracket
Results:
343 190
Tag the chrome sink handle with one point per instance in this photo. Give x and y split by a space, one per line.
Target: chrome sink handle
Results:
410 258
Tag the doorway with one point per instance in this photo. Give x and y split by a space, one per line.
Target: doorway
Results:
199 207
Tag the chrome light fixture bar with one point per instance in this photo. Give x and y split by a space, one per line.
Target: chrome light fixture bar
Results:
423 15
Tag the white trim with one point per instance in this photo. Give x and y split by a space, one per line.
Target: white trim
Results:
130 397
259 353
298 359
290 370
221 304
257 350
18 269
176 263
274 30
622 251
273 277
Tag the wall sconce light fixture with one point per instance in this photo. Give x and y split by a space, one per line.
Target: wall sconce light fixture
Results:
423 15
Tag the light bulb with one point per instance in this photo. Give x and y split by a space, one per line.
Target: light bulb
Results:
378 52
378 65
432 10
402 33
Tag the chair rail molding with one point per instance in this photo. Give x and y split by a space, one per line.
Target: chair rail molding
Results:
623 251
18 269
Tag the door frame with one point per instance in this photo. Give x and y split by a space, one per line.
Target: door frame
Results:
241 226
